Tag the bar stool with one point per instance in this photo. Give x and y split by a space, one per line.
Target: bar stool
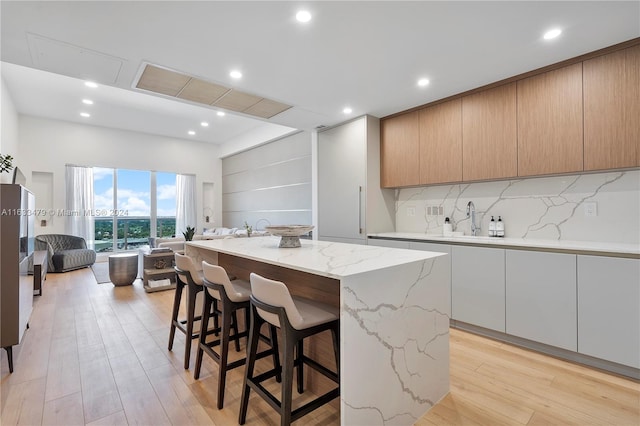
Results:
232 295
187 276
297 319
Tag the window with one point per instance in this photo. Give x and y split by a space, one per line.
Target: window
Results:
126 213
166 204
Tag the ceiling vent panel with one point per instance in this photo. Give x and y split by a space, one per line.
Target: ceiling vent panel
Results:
163 81
202 91
237 101
183 86
266 108
74 61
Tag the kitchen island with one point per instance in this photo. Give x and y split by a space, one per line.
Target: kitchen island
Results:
394 317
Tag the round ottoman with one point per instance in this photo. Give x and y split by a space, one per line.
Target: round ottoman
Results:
123 268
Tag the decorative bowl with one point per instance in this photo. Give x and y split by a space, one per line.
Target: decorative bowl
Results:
290 234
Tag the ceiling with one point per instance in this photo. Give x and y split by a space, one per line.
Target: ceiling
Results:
364 55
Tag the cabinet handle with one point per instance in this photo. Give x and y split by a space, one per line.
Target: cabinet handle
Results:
360 210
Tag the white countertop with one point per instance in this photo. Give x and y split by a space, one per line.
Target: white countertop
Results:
333 260
582 247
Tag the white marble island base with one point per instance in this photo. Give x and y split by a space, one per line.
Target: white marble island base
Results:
394 320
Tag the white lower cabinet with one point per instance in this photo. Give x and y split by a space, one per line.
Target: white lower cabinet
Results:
541 300
478 286
609 309
388 243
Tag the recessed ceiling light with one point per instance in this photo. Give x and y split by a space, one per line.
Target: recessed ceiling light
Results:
423 82
204 124
85 114
235 74
87 101
347 110
191 132
303 16
220 113
551 34
91 84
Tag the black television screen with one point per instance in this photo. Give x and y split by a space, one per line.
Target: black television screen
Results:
18 177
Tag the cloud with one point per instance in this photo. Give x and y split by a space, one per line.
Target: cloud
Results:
101 173
166 192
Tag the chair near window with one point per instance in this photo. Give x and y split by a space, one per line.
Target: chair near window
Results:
297 319
190 278
233 296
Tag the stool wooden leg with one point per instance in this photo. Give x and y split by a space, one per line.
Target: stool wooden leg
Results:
252 350
206 314
216 311
273 335
224 352
335 333
191 307
300 364
287 379
174 314
234 325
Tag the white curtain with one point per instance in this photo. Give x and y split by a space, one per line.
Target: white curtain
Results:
185 203
79 202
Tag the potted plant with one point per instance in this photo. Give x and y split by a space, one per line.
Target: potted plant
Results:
6 163
188 234
248 228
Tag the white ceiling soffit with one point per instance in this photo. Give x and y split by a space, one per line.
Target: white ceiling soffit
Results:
75 61
180 85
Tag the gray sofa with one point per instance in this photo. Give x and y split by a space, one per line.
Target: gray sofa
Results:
66 252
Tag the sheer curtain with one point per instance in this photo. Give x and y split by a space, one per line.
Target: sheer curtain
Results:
185 203
79 202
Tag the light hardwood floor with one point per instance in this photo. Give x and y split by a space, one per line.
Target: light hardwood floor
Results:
98 355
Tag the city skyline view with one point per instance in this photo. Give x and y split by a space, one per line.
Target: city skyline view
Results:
133 204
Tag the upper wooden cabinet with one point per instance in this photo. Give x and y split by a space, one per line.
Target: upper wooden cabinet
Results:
489 134
550 122
611 110
441 143
399 151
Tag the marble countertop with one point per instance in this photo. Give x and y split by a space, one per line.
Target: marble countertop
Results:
580 247
333 260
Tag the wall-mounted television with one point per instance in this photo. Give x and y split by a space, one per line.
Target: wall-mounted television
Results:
18 177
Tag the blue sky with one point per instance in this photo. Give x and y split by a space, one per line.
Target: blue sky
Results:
134 191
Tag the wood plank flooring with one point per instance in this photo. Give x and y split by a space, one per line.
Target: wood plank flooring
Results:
96 354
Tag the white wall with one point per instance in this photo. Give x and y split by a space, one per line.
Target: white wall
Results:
48 145
542 208
8 130
270 182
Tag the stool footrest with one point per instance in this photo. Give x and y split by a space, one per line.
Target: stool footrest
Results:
316 403
319 368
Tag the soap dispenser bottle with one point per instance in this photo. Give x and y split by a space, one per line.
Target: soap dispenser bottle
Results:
492 227
500 227
447 228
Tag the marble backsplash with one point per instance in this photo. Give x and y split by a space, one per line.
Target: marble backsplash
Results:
554 208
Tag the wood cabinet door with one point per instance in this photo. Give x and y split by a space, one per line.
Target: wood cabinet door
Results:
611 110
489 134
399 151
441 143
550 129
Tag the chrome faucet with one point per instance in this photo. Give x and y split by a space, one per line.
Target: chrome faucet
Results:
471 213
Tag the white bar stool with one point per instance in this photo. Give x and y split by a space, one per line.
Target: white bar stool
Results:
232 295
189 277
297 319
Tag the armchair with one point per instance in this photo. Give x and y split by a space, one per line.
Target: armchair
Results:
65 252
